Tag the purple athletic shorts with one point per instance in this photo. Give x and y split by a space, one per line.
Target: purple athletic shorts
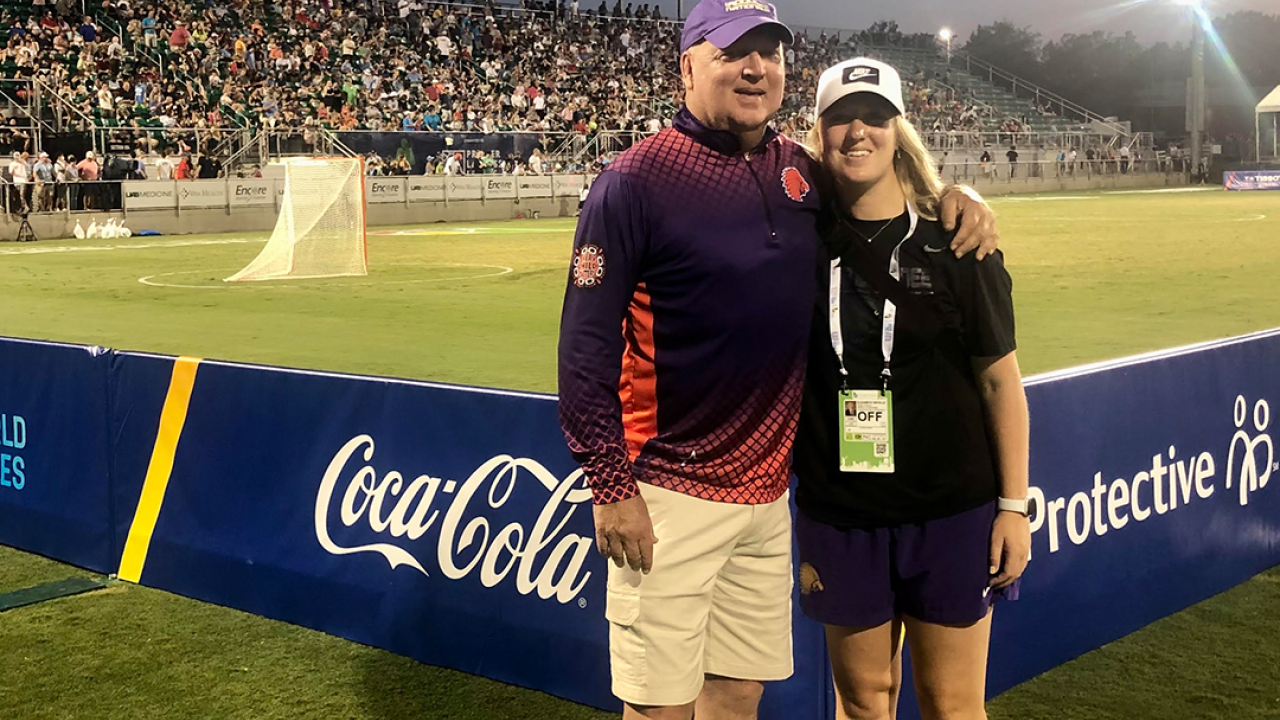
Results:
935 571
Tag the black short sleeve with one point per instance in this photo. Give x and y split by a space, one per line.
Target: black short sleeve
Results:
987 306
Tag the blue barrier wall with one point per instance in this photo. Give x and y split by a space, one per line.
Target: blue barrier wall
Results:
54 458
450 525
1152 476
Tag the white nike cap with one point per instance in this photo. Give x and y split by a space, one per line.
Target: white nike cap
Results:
859 75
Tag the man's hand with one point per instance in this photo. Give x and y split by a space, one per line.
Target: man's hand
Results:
1010 548
624 532
977 221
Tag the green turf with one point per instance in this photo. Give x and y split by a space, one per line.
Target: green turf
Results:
1095 278
1218 660
132 652
20 570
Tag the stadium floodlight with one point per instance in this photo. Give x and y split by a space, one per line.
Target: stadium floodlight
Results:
1196 95
946 35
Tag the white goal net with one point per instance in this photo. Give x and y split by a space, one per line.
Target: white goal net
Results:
320 231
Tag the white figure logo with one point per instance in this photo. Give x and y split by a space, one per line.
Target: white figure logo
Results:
1254 472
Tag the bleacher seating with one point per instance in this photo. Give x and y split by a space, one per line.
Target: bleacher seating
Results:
392 65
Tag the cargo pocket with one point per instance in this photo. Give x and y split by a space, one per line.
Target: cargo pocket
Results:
626 644
622 606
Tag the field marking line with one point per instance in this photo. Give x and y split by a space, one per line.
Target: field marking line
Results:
437 232
267 285
1161 191
131 246
173 416
1254 218
1043 199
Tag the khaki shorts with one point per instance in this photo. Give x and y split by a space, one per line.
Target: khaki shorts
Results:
717 602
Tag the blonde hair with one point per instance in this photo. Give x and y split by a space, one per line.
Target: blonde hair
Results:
912 164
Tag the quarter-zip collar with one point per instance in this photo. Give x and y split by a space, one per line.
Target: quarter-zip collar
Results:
721 141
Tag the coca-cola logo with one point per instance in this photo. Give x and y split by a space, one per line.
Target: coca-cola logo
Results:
544 559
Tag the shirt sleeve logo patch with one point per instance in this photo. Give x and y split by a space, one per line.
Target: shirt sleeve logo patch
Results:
794 184
588 266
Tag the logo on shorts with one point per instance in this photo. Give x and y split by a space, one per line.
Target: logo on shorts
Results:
588 266
794 184
809 580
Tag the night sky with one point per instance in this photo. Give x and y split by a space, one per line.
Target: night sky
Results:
1150 20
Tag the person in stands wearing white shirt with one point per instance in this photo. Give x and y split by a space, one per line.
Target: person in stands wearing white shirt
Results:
453 166
164 167
535 162
21 179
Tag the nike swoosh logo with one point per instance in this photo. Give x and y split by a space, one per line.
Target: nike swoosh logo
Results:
931 249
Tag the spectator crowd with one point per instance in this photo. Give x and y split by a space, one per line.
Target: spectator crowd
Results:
172 80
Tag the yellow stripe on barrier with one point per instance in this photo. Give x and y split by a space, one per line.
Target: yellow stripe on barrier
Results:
172 418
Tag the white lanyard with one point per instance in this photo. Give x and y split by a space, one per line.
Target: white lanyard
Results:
890 309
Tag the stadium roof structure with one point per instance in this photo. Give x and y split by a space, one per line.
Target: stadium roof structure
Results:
1269 104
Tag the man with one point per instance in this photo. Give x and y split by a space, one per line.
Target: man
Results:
138 169
179 38
20 177
164 166
149 36
1013 160
453 166
682 348
73 183
209 168
44 177
89 170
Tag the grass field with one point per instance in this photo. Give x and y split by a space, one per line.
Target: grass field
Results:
1096 277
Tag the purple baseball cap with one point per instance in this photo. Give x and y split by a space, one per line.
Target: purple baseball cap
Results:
722 22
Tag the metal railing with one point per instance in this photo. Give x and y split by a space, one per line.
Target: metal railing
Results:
332 145
47 96
581 150
20 94
76 196
967 62
137 49
976 140
969 171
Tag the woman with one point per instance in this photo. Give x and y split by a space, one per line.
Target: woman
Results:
912 448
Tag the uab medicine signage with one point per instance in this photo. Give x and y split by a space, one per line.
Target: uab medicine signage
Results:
147 195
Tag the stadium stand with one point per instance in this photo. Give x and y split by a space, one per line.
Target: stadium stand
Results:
200 77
